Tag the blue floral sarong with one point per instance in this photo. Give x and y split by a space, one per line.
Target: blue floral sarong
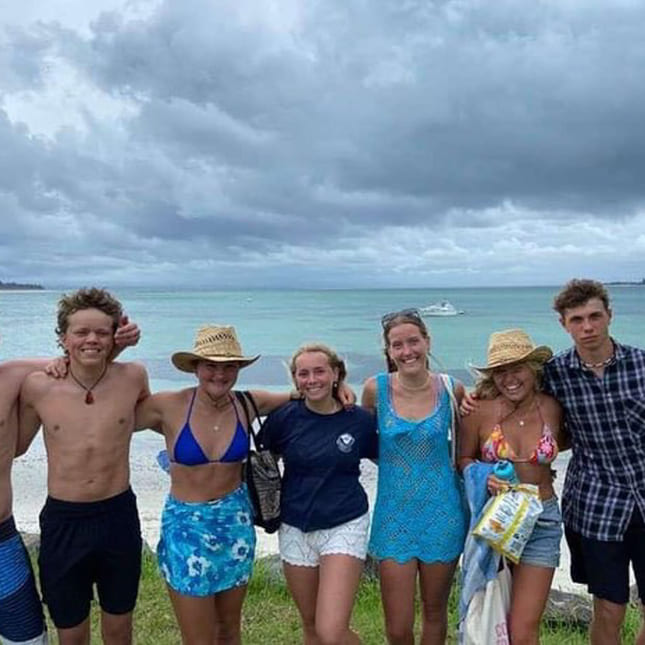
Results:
207 547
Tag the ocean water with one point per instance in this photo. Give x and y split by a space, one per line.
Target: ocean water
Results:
273 323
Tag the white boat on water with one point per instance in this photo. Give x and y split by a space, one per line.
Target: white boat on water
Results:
443 308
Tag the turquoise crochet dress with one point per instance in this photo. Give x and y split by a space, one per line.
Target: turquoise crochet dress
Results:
419 511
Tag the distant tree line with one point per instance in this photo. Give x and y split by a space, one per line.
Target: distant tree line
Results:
619 282
18 285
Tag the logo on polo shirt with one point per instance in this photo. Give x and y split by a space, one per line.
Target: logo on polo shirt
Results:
345 442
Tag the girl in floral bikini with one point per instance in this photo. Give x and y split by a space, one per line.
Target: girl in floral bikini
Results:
515 421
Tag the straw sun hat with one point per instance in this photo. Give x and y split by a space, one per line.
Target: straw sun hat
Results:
214 343
512 346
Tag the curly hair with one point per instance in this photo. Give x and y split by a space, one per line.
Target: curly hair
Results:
87 298
577 292
485 387
335 362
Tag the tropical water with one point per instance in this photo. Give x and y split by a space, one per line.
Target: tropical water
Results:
274 323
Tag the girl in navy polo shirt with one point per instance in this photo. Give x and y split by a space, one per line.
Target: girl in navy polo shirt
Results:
325 520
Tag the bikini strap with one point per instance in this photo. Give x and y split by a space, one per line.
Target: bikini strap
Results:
190 407
237 415
545 425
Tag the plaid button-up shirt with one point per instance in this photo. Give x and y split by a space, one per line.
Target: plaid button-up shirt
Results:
606 420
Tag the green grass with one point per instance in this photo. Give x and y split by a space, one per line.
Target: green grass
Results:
270 617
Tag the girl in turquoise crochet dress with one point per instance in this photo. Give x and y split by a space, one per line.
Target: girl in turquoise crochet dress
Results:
419 522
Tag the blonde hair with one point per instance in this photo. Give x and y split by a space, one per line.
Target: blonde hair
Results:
335 361
485 387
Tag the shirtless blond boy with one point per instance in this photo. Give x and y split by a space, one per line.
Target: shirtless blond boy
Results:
90 532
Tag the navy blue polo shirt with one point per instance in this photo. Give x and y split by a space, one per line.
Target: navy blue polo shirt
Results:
321 454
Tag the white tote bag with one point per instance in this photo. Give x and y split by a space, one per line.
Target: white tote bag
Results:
487 612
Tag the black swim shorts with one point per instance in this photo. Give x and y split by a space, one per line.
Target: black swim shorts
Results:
85 544
604 566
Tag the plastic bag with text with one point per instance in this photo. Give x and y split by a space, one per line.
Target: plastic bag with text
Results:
486 620
508 519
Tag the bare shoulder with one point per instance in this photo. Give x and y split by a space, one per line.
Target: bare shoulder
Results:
36 383
480 415
368 398
459 390
550 407
168 399
161 403
13 373
130 369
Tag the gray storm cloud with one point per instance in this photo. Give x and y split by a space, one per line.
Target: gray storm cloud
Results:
389 142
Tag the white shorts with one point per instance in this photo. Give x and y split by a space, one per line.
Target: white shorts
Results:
305 549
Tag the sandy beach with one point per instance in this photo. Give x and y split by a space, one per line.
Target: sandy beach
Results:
150 484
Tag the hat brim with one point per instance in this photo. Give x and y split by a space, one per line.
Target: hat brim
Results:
540 354
187 361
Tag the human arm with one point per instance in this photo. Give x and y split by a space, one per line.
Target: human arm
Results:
148 413
346 396
268 401
469 440
28 419
368 398
468 403
127 334
554 416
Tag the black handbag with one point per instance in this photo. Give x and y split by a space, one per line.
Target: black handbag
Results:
261 473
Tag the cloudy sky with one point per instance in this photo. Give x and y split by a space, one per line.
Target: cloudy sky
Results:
321 143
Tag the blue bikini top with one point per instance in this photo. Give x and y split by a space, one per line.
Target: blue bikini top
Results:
188 452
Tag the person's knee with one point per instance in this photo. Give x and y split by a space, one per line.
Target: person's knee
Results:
78 635
523 631
117 630
399 632
331 633
228 630
608 616
435 613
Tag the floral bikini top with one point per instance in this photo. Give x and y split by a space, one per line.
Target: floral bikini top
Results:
496 447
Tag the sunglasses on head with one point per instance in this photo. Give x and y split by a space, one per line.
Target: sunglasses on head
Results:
386 319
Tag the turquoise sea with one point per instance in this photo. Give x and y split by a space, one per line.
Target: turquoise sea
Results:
274 323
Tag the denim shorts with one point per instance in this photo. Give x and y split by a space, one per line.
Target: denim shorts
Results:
305 549
543 547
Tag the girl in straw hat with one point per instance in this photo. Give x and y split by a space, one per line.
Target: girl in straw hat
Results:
419 522
323 536
517 422
207 539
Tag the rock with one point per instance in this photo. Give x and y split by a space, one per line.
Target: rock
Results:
633 596
32 541
570 608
